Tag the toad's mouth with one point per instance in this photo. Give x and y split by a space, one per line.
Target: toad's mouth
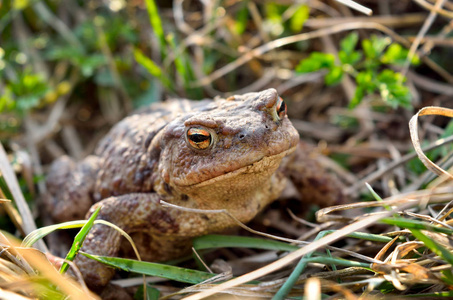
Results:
265 164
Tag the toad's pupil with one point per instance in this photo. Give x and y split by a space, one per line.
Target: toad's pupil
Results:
281 109
198 138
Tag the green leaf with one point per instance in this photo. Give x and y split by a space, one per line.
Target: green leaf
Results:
358 96
151 293
153 269
397 54
315 62
368 49
78 240
27 91
348 44
347 53
350 59
365 81
374 47
299 17
392 88
334 76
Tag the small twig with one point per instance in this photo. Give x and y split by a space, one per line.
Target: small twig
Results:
397 21
300 220
194 251
178 14
435 8
356 6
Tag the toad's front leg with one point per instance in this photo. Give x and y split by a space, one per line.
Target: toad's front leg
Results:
134 213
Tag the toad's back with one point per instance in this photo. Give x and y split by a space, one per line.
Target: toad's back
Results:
127 156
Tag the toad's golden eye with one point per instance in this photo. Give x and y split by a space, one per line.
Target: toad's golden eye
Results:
281 108
199 138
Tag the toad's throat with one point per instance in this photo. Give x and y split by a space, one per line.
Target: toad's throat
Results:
261 165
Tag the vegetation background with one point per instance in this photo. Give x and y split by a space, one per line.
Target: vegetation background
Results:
69 70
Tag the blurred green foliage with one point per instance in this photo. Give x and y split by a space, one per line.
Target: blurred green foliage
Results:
369 67
43 58
51 50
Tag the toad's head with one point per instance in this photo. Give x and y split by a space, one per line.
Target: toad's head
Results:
227 149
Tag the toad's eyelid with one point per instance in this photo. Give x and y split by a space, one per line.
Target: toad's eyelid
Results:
200 122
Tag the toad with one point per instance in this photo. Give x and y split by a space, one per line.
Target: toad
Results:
236 154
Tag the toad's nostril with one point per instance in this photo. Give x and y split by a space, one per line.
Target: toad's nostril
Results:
242 136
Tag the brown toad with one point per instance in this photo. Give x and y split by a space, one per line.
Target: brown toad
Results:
210 154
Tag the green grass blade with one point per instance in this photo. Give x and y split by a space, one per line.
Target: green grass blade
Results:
376 196
365 236
302 264
40 233
153 269
222 241
435 247
152 68
288 285
156 23
284 290
147 63
78 240
414 224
